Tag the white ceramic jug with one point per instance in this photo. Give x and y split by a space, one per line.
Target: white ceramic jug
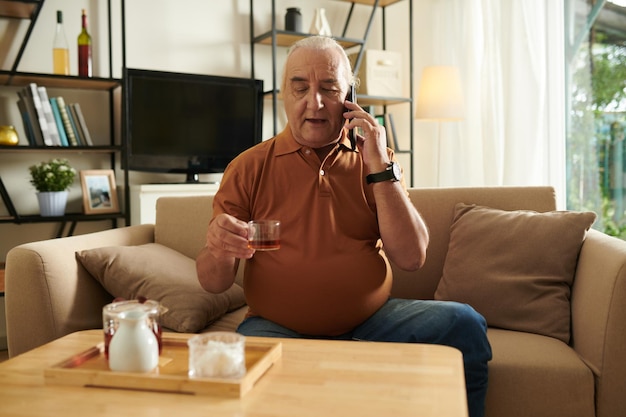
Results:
134 347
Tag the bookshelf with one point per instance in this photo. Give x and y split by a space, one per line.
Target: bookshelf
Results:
109 151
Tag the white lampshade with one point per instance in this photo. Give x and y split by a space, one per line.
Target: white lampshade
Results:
440 94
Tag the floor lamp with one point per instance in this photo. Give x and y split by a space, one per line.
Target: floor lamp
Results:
440 99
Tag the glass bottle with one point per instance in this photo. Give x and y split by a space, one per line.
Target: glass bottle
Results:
60 49
84 49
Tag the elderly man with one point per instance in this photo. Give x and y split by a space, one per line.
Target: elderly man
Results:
344 214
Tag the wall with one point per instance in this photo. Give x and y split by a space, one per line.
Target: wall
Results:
201 37
213 38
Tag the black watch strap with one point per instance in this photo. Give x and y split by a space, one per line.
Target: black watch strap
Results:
387 175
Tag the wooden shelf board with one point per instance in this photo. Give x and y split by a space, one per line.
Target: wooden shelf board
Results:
380 101
18 9
68 217
381 3
364 100
60 149
22 79
284 38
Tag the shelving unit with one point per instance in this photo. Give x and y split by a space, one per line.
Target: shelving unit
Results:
22 10
71 218
275 38
29 10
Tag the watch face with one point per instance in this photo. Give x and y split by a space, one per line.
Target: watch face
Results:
397 172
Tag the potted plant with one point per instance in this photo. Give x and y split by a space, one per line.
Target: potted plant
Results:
52 180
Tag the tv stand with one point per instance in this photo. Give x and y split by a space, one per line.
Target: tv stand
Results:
193 178
143 197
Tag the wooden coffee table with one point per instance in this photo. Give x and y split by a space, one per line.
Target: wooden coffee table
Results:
312 378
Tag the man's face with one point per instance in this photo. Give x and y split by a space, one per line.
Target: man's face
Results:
316 87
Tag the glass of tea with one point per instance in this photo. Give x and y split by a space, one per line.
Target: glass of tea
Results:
264 234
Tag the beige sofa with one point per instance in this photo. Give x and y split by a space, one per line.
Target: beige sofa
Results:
48 295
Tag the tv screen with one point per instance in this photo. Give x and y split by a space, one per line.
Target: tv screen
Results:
188 123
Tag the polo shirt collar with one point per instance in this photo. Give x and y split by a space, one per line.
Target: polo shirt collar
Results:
286 144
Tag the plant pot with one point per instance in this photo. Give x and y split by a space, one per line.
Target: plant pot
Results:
52 203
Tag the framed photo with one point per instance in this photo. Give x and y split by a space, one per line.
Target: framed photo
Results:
99 191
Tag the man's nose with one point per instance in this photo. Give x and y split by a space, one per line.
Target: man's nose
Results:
314 99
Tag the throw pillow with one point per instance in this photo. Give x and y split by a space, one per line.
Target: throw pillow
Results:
159 273
516 268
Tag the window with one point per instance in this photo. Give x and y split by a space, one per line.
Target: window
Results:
596 74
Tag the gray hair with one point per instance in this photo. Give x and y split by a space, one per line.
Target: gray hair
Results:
320 43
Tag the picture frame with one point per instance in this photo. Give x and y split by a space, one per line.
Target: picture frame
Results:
99 191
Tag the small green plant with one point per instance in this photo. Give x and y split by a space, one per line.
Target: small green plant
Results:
54 175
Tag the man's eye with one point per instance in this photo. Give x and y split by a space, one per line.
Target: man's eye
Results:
300 90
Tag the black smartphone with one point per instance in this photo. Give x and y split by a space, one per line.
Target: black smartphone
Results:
351 135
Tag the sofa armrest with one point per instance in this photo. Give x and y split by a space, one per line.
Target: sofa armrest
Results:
48 294
599 318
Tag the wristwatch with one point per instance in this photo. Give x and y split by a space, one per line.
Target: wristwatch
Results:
392 173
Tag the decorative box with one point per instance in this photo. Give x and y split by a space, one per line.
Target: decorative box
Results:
379 73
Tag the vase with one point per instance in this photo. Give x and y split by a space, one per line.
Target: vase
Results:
8 136
133 347
293 20
320 25
52 203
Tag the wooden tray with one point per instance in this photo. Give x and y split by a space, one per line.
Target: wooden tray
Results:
90 368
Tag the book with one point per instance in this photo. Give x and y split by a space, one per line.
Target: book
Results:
80 136
33 94
391 132
28 128
32 117
7 200
82 124
59 121
67 122
47 112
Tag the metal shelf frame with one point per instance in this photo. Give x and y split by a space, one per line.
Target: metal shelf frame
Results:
275 38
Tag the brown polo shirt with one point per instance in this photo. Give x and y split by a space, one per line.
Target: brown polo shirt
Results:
330 273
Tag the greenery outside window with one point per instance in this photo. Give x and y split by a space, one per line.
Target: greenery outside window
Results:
596 152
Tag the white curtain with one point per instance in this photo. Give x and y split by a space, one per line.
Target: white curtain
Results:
510 54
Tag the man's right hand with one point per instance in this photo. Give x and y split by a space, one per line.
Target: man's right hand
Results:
217 262
227 237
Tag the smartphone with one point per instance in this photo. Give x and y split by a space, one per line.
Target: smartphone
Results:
351 134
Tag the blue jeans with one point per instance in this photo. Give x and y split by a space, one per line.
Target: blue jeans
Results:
415 321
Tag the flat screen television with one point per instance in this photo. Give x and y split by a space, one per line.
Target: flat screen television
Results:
188 123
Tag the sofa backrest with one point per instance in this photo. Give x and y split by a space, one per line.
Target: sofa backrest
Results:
181 224
436 206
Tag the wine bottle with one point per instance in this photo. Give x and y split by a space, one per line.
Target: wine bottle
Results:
60 49
84 49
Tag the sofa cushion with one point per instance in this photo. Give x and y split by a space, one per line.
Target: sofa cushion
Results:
159 273
534 375
516 268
